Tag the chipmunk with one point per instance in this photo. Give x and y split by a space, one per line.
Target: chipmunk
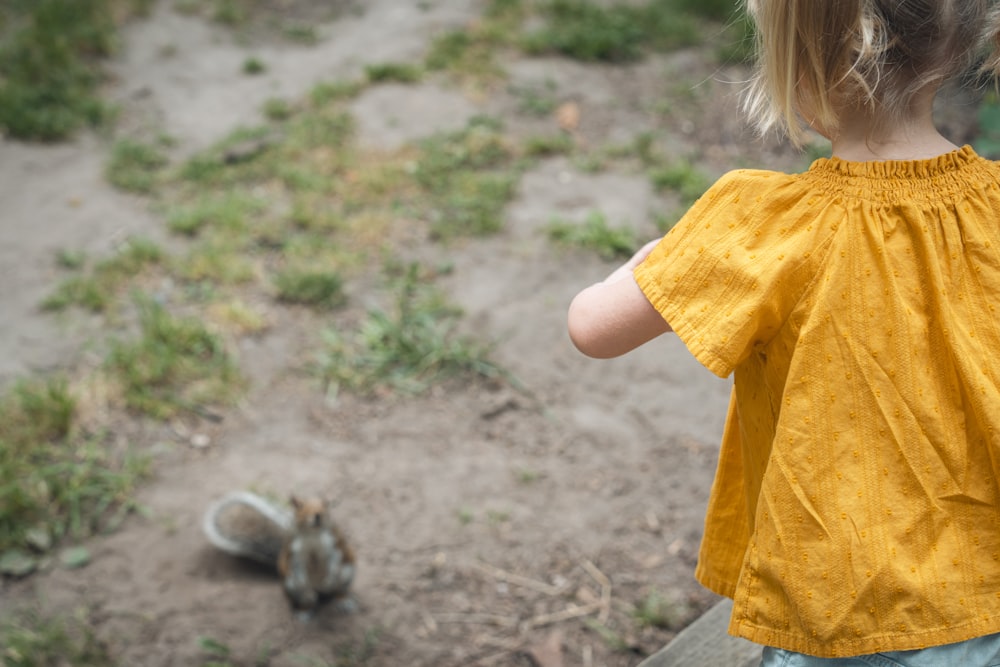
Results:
307 548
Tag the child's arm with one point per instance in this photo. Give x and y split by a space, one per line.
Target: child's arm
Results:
613 317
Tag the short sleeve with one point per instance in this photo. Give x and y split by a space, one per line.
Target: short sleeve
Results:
728 274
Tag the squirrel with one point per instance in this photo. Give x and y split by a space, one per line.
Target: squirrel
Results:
309 551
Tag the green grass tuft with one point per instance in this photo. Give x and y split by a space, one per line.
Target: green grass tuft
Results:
53 480
35 640
135 166
683 178
97 290
393 72
408 349
50 68
174 366
595 234
312 288
470 176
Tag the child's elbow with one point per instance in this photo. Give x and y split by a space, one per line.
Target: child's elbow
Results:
585 331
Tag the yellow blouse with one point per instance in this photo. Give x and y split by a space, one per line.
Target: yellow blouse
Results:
856 505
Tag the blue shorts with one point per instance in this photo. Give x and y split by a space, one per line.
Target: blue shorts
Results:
978 652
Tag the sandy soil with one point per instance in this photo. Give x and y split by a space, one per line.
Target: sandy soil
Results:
598 469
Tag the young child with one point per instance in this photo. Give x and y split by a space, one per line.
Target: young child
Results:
855 514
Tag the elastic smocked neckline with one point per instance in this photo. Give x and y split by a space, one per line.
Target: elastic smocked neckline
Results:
900 180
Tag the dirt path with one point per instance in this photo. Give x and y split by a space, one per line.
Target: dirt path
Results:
602 469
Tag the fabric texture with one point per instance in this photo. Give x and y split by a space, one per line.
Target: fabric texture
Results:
856 506
977 652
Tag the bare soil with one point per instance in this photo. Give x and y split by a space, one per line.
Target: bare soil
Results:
494 525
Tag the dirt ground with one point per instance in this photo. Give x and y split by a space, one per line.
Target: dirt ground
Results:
493 526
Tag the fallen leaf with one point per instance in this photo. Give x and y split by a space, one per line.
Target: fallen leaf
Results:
568 116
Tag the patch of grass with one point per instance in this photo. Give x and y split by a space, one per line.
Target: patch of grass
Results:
408 349
229 212
239 317
135 166
683 178
528 476
253 66
50 68
331 129
232 13
549 145
617 33
174 366
469 176
72 260
312 288
234 159
470 53
55 481
97 290
659 611
216 653
35 640
216 262
393 72
586 31
277 109
302 33
536 99
323 94
595 234
612 639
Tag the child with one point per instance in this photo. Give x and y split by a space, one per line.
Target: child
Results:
855 514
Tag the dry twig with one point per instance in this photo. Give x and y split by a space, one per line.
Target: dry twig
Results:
518 580
605 583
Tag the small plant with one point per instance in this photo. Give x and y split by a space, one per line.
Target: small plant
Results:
547 146
50 68
253 66
53 480
408 349
612 639
97 290
312 288
595 234
323 94
536 100
397 72
470 54
683 178
586 31
72 260
32 639
174 366
229 12
229 212
135 166
217 654
659 611
301 33
277 109
469 177
623 32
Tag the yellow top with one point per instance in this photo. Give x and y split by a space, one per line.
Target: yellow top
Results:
856 506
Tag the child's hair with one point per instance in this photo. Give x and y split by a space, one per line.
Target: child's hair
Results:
814 56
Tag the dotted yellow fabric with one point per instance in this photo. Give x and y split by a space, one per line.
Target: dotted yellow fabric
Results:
856 506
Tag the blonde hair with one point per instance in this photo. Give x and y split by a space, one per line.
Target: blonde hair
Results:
815 56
